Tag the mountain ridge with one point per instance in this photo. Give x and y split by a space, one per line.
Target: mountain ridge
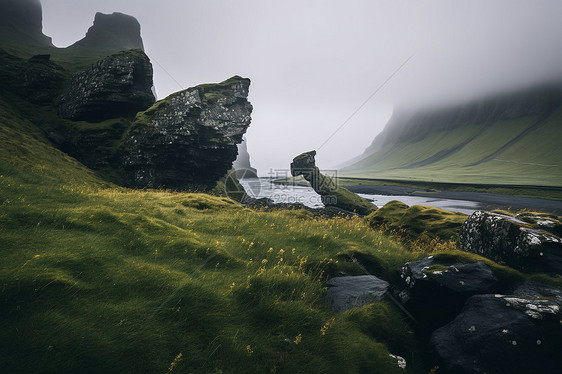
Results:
426 144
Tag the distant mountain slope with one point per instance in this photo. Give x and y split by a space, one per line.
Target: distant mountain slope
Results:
506 139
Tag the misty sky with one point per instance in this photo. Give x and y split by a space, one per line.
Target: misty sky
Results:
314 62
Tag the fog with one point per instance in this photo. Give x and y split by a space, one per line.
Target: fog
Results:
314 63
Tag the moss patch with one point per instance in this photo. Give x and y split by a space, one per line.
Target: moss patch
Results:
418 220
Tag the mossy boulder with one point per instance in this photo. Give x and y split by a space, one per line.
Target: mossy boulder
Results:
188 141
511 241
330 192
418 221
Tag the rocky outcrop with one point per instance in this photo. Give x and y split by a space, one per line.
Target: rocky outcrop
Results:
327 188
41 81
435 289
513 242
22 21
114 32
189 140
242 163
351 292
119 85
501 334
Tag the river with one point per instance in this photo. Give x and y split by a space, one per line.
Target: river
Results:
264 187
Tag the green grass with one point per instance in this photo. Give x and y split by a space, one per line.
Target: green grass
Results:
98 278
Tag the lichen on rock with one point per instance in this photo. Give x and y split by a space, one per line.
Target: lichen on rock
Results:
187 141
510 241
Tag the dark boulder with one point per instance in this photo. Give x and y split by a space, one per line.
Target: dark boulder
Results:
434 289
117 86
536 290
114 32
330 192
350 292
501 334
513 242
189 140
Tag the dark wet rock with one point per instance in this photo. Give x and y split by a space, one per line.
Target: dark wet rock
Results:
501 334
328 189
536 290
117 86
471 278
114 32
510 241
41 81
94 145
434 290
189 140
350 292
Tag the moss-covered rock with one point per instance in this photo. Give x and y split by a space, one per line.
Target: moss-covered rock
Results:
119 85
189 140
328 189
511 241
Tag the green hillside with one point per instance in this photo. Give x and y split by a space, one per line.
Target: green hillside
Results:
524 150
98 278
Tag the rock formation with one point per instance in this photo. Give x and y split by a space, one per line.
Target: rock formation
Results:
41 79
117 86
21 21
115 32
188 140
327 188
351 292
435 289
510 241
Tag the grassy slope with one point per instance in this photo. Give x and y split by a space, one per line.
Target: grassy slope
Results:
96 278
533 160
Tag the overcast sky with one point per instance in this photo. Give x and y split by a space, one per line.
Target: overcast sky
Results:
313 63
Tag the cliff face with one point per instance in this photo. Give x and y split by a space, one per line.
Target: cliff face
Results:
116 31
500 139
22 21
119 85
188 140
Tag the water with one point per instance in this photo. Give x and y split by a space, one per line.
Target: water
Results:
462 206
264 187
